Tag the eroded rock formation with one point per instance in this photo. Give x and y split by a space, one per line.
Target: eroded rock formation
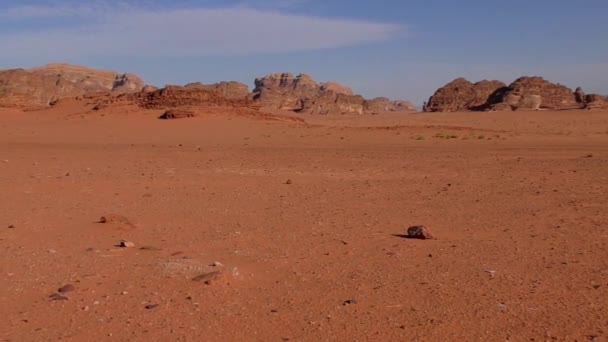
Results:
462 95
526 93
302 94
41 86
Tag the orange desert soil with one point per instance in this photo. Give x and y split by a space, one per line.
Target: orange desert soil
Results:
256 229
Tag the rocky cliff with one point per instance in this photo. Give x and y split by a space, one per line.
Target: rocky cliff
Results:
40 86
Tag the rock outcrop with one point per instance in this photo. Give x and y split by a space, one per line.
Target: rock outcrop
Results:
462 95
526 93
41 86
230 90
382 104
301 94
177 96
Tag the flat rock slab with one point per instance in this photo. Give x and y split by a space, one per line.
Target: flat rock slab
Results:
207 278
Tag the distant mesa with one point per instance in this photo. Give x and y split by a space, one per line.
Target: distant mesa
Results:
44 86
302 94
41 86
525 93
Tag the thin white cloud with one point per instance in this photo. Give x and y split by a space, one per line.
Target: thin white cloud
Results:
136 31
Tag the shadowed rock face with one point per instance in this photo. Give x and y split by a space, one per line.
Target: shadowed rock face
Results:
302 94
462 95
40 86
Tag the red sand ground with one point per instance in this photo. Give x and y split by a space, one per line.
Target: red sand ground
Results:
518 203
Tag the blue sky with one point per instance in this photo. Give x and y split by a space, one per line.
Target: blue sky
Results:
400 49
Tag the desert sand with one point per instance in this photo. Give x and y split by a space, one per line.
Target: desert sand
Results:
304 220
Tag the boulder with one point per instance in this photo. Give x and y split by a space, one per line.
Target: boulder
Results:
462 95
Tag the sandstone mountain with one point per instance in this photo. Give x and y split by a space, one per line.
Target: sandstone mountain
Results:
462 95
525 93
301 94
528 93
40 86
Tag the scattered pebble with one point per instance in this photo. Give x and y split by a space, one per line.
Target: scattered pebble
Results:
151 306
5 161
12 226
126 244
350 302
491 272
419 232
217 264
52 251
289 181
66 288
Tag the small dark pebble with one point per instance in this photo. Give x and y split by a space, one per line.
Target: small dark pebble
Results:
289 181
350 302
57 296
151 306
67 288
12 226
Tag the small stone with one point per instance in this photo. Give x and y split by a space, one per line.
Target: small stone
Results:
289 181
151 306
52 251
217 264
67 288
12 226
58 297
85 308
350 302
5 160
419 232
207 278
150 248
126 244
